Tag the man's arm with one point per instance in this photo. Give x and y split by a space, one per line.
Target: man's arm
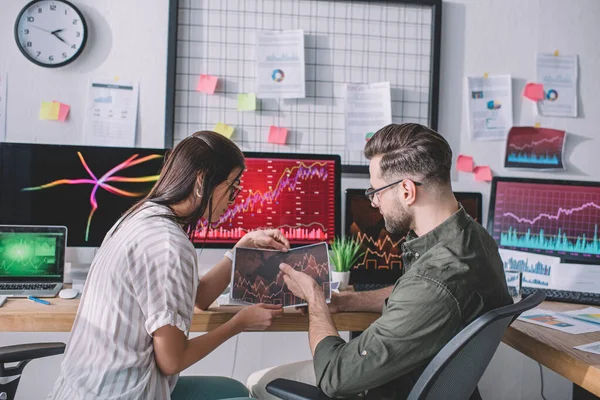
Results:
320 323
421 316
370 301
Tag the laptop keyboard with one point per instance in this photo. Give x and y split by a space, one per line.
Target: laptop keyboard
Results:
27 286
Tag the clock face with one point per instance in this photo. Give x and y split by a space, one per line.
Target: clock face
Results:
50 33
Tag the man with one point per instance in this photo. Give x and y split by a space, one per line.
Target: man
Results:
453 274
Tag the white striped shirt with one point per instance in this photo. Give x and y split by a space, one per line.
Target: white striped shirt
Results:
143 277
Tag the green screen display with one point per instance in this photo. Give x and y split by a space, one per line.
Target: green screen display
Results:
28 255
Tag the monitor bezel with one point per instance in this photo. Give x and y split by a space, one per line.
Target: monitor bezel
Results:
561 182
479 197
296 156
62 245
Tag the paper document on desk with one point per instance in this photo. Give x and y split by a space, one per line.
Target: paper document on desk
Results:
256 277
589 314
554 320
590 347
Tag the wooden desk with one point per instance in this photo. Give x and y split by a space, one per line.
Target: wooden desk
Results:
22 315
554 349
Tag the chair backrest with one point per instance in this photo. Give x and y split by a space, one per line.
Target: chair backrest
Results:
455 371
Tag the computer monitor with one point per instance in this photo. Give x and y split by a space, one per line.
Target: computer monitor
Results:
382 260
84 188
554 217
296 193
32 253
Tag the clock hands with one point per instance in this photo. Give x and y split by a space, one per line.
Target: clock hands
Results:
53 33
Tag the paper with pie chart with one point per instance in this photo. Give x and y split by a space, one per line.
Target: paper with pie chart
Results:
280 64
256 277
490 106
558 74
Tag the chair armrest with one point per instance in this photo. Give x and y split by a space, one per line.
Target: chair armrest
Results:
30 351
291 390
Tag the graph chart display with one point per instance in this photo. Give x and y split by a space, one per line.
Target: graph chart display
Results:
549 217
85 188
534 148
28 255
382 259
295 195
258 279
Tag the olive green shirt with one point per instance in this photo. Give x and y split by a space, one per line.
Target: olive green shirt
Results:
453 274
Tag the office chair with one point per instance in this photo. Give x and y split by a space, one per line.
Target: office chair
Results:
453 374
21 354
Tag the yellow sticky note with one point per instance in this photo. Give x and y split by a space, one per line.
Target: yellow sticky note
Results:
538 125
556 53
486 75
246 102
224 129
49 110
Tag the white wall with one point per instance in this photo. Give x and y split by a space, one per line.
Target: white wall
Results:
494 36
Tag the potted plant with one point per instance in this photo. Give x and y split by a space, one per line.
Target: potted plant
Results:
345 252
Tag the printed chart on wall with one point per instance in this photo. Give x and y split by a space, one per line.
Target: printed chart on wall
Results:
294 62
490 106
535 148
111 114
558 74
551 219
256 277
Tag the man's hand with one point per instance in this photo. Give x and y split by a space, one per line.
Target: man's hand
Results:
300 284
265 239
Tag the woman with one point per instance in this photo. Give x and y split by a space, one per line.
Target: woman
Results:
129 339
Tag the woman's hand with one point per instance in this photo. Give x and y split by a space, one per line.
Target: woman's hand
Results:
265 239
257 317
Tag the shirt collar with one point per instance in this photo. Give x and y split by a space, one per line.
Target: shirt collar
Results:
442 233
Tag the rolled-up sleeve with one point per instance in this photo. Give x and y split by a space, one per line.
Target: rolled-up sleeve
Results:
419 318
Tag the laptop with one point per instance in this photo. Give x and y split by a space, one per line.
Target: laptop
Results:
32 260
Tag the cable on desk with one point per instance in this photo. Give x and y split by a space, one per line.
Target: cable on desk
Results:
542 382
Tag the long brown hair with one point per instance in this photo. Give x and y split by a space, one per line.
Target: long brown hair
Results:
207 153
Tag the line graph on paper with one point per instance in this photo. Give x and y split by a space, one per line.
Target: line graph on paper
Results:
548 218
534 148
257 278
295 196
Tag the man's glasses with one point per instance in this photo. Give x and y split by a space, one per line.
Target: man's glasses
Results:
371 192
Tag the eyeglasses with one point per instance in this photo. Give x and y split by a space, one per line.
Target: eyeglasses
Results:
370 192
235 190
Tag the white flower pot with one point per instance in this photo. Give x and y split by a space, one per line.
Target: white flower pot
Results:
342 278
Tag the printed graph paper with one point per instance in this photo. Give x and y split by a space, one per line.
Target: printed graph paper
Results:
358 42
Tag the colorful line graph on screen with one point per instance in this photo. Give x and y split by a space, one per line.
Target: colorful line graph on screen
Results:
257 278
537 148
103 182
384 248
295 196
554 219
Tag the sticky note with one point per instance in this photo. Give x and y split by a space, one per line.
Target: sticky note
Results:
277 135
246 102
224 129
538 125
483 174
63 111
464 163
49 110
534 91
207 84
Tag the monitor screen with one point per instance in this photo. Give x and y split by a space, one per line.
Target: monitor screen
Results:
296 193
382 260
32 252
84 188
558 218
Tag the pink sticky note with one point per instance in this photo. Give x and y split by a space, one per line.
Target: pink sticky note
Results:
277 135
464 163
483 174
534 91
207 84
63 111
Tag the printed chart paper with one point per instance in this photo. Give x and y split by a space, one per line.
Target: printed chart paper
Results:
558 75
368 109
490 107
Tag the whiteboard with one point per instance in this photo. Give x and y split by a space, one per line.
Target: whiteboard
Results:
345 41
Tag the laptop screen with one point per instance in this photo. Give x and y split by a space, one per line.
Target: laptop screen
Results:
32 253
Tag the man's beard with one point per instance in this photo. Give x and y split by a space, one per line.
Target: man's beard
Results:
399 223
